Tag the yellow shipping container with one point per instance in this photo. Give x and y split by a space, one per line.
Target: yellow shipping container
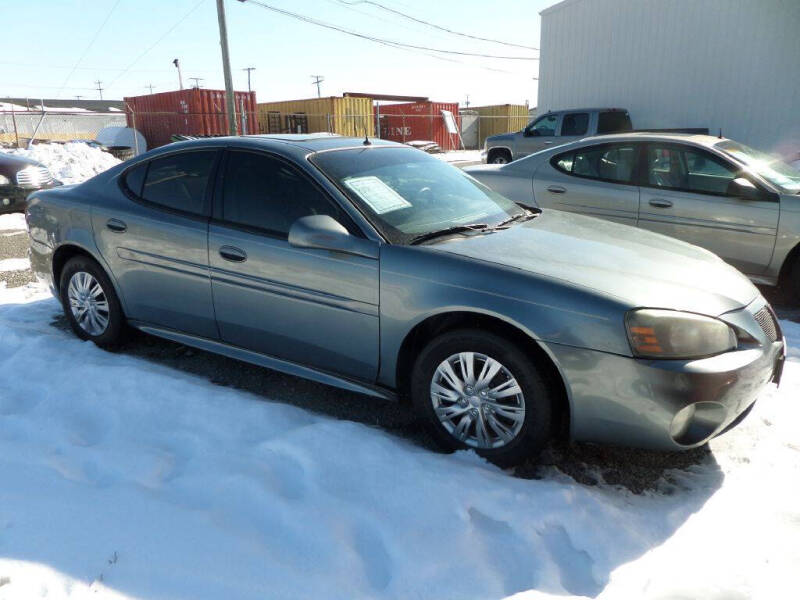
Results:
345 116
501 118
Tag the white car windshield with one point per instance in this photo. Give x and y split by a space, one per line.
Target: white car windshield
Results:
771 168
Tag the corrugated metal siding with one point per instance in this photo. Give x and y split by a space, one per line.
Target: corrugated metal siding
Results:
345 116
723 64
500 118
187 112
411 121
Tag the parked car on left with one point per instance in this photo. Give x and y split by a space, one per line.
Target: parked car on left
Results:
19 177
377 268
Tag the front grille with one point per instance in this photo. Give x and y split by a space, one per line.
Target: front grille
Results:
34 177
768 322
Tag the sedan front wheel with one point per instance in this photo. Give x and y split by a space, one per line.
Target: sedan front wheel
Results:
476 390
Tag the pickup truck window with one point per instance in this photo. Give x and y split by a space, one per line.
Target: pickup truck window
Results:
545 126
613 122
575 124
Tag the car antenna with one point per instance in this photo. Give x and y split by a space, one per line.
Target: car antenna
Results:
720 133
366 138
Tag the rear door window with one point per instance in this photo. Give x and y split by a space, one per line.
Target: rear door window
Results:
575 124
134 178
179 181
609 162
613 122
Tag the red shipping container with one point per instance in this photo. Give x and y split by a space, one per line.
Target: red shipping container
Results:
413 121
188 112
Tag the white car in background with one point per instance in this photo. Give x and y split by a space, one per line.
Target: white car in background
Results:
739 203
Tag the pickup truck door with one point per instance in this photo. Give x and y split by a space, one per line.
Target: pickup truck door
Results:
687 193
597 180
538 135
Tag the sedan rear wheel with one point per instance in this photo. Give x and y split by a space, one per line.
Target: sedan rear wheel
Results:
90 302
476 390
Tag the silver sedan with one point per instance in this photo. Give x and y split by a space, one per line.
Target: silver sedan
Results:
741 204
377 268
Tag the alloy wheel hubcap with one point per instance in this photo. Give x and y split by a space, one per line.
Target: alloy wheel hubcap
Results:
477 400
88 303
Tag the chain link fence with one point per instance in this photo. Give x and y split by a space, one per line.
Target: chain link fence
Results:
21 128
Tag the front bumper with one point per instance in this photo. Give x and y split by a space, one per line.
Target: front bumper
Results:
667 404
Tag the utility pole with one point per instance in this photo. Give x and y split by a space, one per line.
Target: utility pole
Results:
197 81
78 97
248 69
317 80
226 67
466 103
151 86
177 64
99 89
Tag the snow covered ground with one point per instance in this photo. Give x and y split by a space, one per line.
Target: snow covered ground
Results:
71 162
123 478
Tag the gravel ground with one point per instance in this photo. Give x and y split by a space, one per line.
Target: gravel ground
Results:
589 464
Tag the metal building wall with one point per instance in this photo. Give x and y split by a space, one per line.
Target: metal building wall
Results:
729 64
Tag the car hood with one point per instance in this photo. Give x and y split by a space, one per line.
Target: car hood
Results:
503 137
10 164
635 266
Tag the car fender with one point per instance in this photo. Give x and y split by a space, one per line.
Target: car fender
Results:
419 282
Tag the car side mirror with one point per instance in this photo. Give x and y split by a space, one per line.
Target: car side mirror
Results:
531 132
323 232
741 187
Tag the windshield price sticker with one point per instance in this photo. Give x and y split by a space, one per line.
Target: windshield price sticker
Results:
379 196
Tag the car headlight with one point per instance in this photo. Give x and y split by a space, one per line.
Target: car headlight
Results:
4 180
655 333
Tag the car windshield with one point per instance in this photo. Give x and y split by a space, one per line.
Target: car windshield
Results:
771 168
406 193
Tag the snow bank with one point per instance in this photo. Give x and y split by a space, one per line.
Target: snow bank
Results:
15 264
71 162
14 221
130 479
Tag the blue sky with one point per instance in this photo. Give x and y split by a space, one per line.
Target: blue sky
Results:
37 61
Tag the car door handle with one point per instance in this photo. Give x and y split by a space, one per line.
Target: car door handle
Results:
661 203
548 142
232 254
116 225
556 189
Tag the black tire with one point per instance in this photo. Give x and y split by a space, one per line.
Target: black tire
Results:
114 332
499 157
792 282
537 425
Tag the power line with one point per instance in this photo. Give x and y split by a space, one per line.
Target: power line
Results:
434 25
158 41
86 50
383 41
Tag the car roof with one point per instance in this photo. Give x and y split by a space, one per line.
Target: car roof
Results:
696 138
572 110
289 143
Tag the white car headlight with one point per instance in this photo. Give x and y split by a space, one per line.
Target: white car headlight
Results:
655 333
4 180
